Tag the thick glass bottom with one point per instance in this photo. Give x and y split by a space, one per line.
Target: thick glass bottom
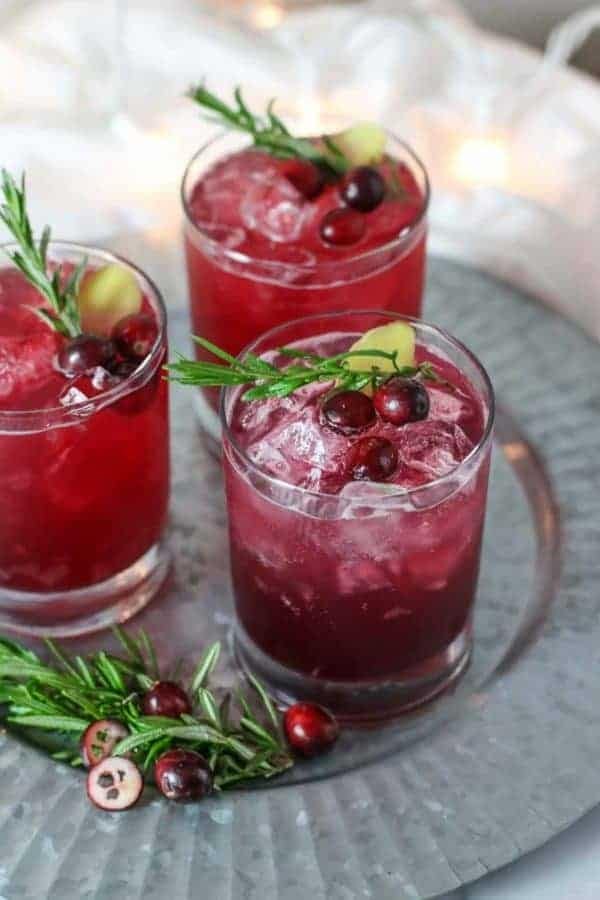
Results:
360 703
84 610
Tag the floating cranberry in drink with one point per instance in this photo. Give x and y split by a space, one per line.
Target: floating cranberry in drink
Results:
293 226
355 552
84 468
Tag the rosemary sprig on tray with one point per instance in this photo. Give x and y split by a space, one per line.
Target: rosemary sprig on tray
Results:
31 259
268 131
53 703
270 381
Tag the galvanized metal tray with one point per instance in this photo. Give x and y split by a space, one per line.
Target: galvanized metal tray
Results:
434 802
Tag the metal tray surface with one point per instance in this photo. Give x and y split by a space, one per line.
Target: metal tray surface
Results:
416 809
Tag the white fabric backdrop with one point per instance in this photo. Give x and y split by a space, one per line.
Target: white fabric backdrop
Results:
513 146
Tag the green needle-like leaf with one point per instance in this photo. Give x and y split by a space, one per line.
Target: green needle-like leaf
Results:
268 131
31 260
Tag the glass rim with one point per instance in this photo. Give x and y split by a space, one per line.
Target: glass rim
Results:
273 266
33 420
469 459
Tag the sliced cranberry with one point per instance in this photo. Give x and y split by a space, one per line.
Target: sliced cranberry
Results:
402 400
115 784
100 739
135 336
166 698
183 776
85 352
343 226
310 729
363 189
307 178
349 411
373 459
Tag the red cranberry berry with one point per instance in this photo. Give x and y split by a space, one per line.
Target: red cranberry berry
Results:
115 784
402 400
166 698
342 226
373 459
124 368
363 189
307 178
349 411
100 739
135 335
310 729
83 353
183 775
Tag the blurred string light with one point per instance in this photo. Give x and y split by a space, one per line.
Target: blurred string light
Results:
481 160
267 15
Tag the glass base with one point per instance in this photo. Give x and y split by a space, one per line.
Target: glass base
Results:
81 611
359 703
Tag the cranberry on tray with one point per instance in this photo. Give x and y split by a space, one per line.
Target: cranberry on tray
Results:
115 784
166 698
310 729
183 776
100 739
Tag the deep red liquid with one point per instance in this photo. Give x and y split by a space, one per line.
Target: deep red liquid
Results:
367 596
82 502
247 197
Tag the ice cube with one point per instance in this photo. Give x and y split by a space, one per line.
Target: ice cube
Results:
275 208
71 396
450 405
433 448
25 363
87 387
216 198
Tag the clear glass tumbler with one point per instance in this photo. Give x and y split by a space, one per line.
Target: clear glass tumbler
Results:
84 488
359 601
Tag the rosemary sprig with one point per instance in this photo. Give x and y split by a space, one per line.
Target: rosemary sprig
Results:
268 131
271 381
55 702
32 260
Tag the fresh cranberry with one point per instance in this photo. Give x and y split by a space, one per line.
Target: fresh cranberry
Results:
342 226
307 178
100 739
349 411
310 729
402 400
135 336
115 784
166 698
363 189
373 459
124 368
183 775
85 352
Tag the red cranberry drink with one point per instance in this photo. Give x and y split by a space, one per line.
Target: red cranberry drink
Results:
289 227
356 489
84 469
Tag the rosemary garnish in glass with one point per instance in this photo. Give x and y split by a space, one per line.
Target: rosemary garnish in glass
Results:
269 132
267 380
32 260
